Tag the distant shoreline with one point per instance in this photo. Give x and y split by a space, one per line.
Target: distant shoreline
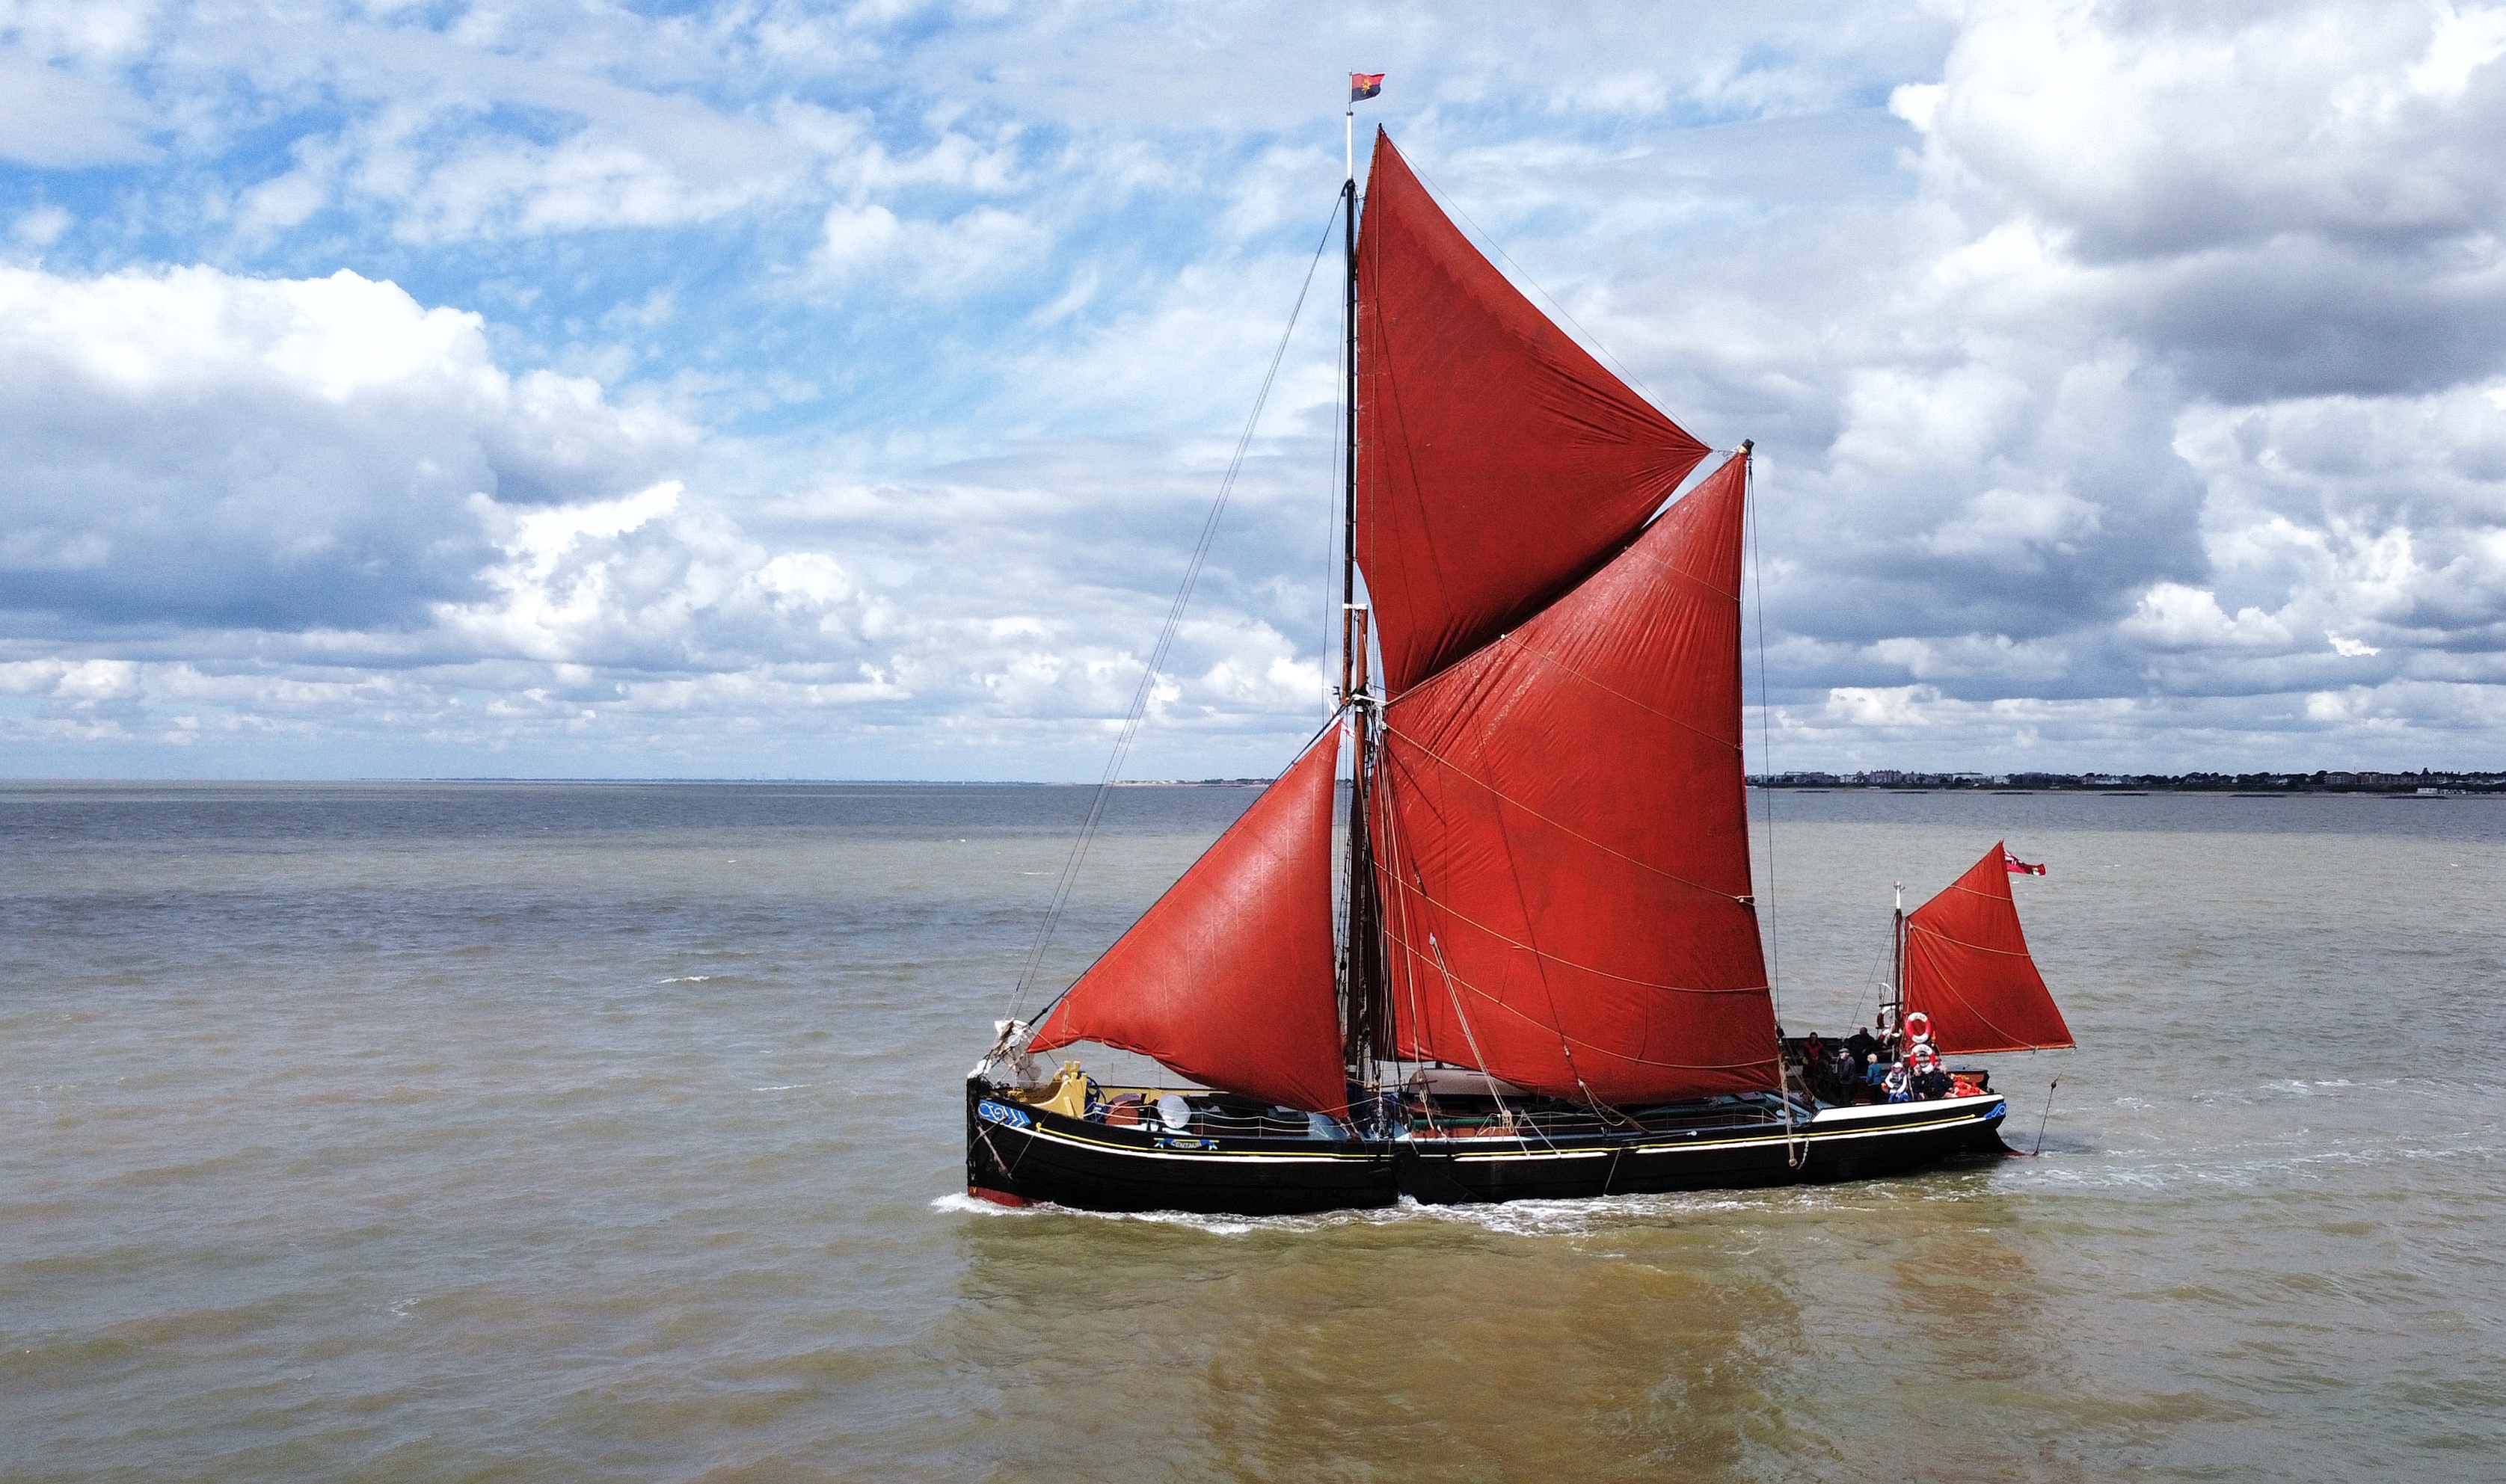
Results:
2424 785
2429 785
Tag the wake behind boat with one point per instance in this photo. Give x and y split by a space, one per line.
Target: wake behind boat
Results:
1537 969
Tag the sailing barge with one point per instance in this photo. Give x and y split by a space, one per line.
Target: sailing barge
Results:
1539 973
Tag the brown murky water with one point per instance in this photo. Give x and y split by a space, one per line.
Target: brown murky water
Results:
555 1132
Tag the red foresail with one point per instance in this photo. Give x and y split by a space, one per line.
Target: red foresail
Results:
1227 978
1562 836
1497 462
1967 967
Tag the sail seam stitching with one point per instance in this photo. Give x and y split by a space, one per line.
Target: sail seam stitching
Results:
1494 791
1937 934
1558 958
1411 950
1969 1006
1607 688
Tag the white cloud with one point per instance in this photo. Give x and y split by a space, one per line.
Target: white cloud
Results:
588 181
869 245
2134 381
189 445
2174 617
57 119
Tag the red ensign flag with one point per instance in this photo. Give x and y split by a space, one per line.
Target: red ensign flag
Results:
2018 867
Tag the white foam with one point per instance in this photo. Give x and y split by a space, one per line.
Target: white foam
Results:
1591 1217
963 1204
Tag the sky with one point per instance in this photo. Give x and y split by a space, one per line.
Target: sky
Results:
562 388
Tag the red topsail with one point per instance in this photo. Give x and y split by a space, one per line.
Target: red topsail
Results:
1229 977
1498 463
1967 967
1562 836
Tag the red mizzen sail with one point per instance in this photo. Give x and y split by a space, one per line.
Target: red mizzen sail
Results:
1968 969
1563 835
1498 463
1227 978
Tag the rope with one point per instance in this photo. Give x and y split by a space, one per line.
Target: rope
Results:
1411 949
1130 728
1766 760
1476 1054
1562 827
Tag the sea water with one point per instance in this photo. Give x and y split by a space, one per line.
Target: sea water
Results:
549 1132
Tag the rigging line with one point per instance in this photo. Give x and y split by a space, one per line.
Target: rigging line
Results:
1766 741
1480 1056
1540 962
1388 782
1639 554
1959 942
1491 238
1606 689
1970 891
1870 975
1458 915
1767 760
1634 554
1411 949
1476 1054
1130 728
1562 827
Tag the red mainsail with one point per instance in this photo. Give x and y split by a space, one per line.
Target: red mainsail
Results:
1562 841
1498 463
1227 978
1967 967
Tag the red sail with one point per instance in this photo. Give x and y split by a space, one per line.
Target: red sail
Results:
1498 463
1563 835
1967 967
1227 978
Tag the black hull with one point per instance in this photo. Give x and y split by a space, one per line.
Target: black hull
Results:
1022 1154
1016 1156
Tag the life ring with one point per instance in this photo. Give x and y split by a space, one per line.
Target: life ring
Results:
1925 1058
1919 1026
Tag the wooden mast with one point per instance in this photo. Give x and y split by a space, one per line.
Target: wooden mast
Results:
1365 1022
1893 1013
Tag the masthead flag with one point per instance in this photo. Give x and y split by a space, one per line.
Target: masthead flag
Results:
1364 85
